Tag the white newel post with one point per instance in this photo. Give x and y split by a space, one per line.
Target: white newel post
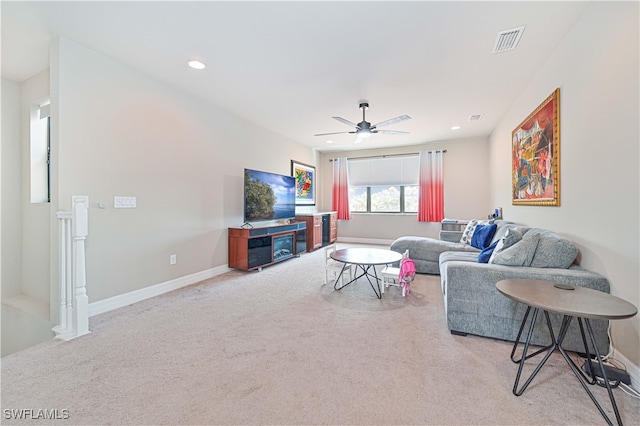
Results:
74 303
65 282
79 231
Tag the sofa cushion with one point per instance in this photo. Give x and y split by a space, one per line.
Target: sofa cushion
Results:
485 254
519 254
425 251
458 256
467 234
504 226
482 235
511 236
553 251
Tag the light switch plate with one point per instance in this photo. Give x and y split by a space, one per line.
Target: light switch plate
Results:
124 202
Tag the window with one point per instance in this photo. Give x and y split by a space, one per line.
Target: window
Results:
358 199
40 153
384 185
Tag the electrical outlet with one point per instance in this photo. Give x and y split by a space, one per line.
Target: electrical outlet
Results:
124 202
173 259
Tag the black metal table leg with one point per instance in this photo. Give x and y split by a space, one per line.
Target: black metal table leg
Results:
515 346
557 344
570 301
584 383
335 285
375 275
524 356
365 273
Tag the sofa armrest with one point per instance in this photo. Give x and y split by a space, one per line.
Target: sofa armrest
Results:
474 305
468 274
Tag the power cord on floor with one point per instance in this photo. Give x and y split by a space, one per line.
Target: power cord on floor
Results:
611 349
609 359
629 391
612 383
612 362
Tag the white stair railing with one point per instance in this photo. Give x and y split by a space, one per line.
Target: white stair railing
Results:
74 303
65 270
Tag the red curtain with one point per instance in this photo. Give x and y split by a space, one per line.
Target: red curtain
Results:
340 196
431 192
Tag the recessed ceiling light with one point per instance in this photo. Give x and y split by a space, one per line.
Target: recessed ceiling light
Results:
196 64
456 128
329 141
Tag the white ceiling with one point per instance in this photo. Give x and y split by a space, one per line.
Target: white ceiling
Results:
291 66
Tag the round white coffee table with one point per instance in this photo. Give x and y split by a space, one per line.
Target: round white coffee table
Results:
366 259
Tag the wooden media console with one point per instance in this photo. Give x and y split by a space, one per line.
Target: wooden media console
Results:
254 248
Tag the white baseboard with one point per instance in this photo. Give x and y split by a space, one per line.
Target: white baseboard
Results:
632 369
121 300
365 241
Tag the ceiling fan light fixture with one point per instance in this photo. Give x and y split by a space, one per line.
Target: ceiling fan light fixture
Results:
364 129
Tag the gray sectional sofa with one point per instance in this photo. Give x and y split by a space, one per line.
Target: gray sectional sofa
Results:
425 252
472 303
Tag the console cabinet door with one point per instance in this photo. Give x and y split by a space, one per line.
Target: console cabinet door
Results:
333 227
317 231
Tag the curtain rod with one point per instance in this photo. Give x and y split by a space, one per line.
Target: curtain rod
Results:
389 155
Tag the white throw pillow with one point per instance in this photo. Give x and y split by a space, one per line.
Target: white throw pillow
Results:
467 234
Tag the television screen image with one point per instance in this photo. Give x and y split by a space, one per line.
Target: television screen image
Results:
268 196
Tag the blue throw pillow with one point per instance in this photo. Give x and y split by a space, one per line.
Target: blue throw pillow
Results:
483 235
485 255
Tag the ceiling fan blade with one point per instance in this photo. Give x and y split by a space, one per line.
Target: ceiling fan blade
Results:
332 133
392 132
393 121
347 122
359 139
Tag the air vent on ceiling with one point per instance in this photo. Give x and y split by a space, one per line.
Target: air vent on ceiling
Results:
475 117
507 40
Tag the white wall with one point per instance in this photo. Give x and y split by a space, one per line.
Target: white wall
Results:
11 190
25 226
35 216
466 193
121 133
596 68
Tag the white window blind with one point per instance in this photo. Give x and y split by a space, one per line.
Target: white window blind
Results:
401 170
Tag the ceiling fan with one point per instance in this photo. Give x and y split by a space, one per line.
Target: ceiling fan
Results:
364 129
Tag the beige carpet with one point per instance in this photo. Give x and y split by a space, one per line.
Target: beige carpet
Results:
278 347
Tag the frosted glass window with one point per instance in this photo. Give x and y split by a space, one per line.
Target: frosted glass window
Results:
40 153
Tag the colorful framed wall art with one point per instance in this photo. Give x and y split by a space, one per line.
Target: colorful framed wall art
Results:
535 154
305 183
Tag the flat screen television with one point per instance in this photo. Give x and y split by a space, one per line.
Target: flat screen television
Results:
268 196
